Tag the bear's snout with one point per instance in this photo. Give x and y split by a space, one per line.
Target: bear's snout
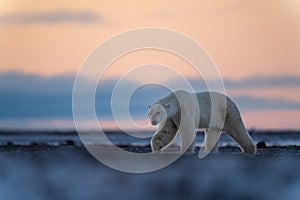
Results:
154 122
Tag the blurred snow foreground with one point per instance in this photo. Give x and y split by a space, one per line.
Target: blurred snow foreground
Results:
69 172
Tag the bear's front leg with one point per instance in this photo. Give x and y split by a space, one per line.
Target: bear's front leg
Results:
188 141
212 136
191 149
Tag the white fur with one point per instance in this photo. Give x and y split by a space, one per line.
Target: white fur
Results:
157 114
213 111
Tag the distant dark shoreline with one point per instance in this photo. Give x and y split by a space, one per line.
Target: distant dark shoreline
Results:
36 148
36 140
74 132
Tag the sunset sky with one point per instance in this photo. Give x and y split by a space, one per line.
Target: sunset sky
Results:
255 44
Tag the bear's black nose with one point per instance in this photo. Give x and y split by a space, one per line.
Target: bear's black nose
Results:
153 122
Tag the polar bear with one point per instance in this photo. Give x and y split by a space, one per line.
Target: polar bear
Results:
185 112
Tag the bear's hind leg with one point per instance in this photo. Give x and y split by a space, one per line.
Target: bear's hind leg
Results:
241 136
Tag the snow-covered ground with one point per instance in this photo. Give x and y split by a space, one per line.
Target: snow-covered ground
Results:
70 172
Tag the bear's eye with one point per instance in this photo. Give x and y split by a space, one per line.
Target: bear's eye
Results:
158 113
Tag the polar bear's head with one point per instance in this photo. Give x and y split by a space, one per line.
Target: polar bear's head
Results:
157 114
